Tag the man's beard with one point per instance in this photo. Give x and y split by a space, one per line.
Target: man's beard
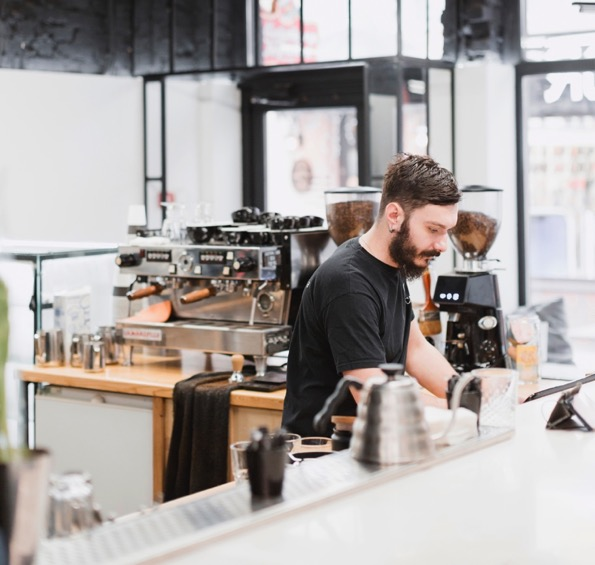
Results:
403 252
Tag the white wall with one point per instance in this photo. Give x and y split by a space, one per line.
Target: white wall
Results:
485 153
71 156
204 145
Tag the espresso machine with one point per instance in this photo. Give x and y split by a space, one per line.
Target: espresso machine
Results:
475 331
229 288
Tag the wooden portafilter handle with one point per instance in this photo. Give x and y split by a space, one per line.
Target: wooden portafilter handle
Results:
237 364
149 290
197 295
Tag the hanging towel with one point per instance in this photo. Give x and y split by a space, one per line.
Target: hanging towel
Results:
198 452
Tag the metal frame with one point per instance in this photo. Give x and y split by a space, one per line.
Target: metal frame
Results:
162 178
349 88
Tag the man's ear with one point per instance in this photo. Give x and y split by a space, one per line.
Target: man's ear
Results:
395 216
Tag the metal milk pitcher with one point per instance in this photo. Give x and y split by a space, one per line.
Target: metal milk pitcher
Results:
49 348
390 427
94 356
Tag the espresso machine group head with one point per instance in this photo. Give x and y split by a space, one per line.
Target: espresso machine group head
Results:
475 334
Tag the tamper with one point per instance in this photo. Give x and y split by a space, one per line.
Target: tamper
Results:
237 363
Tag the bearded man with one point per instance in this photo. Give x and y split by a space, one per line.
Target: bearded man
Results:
356 313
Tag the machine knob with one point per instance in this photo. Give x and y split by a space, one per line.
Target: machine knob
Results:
243 264
487 322
128 260
185 263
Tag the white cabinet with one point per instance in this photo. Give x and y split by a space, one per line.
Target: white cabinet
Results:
108 435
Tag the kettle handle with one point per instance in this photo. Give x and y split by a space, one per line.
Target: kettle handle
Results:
455 402
323 417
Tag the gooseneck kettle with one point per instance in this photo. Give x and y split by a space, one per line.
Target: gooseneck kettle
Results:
390 427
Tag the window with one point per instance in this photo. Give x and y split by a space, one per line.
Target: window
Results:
557 96
308 31
556 30
373 32
560 174
307 152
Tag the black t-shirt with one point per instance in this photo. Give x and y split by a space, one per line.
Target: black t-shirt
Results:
355 313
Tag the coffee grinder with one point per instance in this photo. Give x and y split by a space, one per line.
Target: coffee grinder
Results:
475 332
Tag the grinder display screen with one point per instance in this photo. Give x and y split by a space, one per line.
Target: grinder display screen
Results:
450 290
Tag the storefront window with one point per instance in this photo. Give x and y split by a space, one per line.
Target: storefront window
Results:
280 32
559 121
326 30
373 31
415 122
325 34
307 152
556 30
436 29
415 33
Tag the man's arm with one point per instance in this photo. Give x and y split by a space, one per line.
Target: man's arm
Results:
424 362
362 375
427 364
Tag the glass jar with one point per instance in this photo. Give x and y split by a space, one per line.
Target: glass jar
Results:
350 212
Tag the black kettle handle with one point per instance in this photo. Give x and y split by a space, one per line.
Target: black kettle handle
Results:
323 417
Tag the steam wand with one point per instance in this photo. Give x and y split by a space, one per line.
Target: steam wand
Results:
254 301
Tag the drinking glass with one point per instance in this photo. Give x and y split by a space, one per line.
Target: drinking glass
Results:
203 213
239 460
174 224
523 333
291 440
313 443
498 397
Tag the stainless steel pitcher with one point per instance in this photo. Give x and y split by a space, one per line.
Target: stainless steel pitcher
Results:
109 336
49 348
94 356
77 346
390 427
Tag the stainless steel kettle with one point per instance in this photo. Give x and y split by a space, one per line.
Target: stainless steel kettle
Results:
390 427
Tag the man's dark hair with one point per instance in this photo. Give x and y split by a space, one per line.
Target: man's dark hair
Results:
416 180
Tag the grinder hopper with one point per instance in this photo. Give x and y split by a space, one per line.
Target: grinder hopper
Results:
350 212
478 224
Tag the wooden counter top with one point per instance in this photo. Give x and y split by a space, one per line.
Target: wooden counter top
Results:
151 376
155 377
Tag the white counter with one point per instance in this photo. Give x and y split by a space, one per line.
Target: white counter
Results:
528 500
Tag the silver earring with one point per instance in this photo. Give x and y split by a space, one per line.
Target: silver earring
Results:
391 229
